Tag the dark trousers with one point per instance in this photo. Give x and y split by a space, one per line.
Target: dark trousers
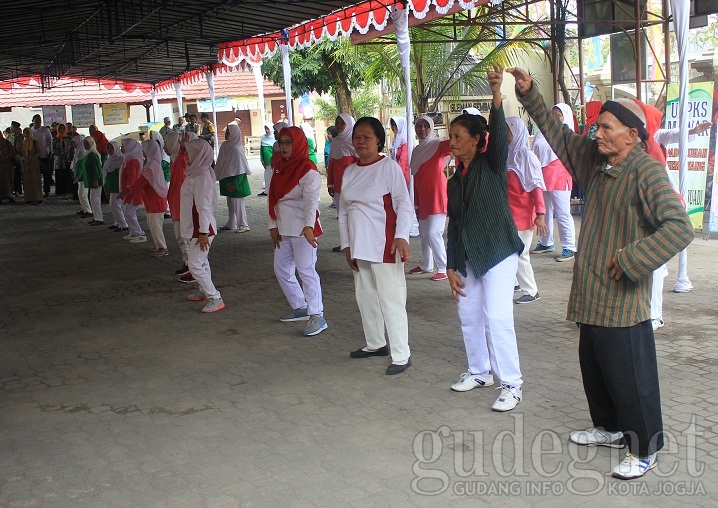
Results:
17 179
46 170
620 378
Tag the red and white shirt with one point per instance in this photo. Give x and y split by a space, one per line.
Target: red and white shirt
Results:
374 209
297 209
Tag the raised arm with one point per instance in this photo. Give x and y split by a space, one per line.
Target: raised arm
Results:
578 154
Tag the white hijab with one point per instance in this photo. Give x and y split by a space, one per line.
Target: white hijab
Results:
277 129
342 145
426 148
172 144
93 147
268 139
541 147
308 131
231 160
79 149
472 111
157 136
152 170
399 137
114 161
521 160
201 156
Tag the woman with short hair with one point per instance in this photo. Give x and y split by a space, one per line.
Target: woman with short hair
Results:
375 215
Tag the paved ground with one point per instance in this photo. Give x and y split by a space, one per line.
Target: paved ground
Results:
115 392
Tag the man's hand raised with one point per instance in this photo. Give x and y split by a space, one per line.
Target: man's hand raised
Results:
524 82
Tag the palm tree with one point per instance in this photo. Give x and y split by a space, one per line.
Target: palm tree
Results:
447 54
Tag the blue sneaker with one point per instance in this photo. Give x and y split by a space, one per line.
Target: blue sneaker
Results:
540 249
316 325
295 315
566 255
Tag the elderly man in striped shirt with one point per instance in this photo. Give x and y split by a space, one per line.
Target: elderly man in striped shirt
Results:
633 222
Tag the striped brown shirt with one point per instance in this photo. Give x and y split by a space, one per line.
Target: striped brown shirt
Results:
629 206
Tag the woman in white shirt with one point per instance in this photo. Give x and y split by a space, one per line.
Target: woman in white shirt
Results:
294 227
375 214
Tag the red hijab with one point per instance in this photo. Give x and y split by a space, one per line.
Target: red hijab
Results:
653 123
593 109
288 172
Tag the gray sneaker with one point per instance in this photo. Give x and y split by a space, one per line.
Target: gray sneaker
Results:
213 305
295 315
527 299
566 255
317 324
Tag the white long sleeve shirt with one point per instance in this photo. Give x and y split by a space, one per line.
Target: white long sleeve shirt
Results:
44 140
198 193
374 209
298 208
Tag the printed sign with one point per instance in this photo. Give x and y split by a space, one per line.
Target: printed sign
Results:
116 113
83 115
52 114
700 107
220 104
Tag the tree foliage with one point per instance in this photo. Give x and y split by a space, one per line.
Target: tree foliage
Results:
445 56
320 69
366 103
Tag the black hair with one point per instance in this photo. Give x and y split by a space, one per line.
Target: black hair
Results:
36 116
475 124
376 126
333 131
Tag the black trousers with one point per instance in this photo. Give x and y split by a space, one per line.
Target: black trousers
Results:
620 378
46 170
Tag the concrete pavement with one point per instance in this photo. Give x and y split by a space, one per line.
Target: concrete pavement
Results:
116 392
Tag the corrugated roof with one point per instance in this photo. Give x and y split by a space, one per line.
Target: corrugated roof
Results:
68 92
142 41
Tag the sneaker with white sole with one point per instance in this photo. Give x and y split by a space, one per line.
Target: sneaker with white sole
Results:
129 236
540 249
634 466
243 230
197 296
509 398
597 437
139 239
469 381
213 305
527 299
317 324
566 255
160 253
657 323
295 315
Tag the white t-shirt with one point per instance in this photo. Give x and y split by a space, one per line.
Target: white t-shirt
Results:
374 201
44 140
202 192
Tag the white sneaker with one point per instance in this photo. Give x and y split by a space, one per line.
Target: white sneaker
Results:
213 305
634 466
129 236
597 437
139 239
657 323
509 398
469 381
242 230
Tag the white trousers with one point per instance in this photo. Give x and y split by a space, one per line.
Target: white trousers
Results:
82 194
182 242
96 202
131 217
117 212
657 292
198 264
487 322
155 222
431 231
558 205
525 272
267 179
237 213
296 255
380 290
